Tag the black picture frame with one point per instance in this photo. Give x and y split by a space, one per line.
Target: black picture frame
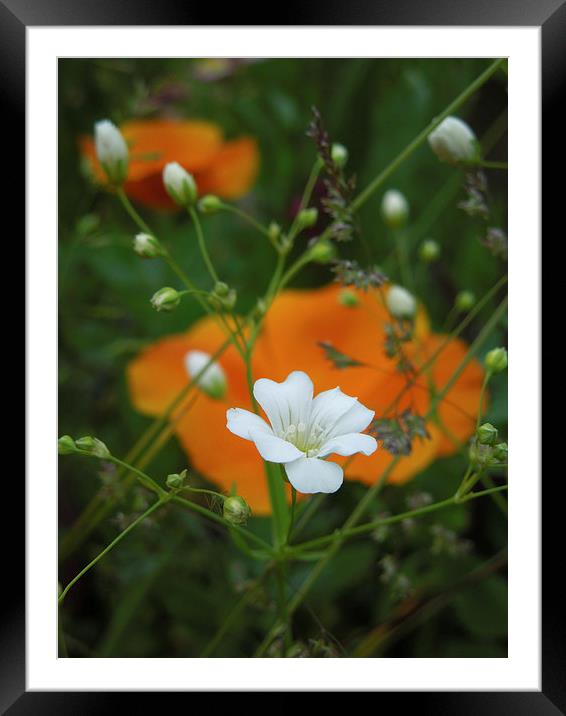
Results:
550 15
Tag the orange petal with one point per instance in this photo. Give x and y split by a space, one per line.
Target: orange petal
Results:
232 171
158 374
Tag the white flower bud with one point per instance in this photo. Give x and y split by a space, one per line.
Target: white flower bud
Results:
453 141
400 302
339 154
111 151
147 246
166 299
394 208
180 184
213 380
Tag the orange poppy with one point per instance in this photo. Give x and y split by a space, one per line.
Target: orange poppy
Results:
295 325
227 169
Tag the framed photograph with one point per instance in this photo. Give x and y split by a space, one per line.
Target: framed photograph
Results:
283 321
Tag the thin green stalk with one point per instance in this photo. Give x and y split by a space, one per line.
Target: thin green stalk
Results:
136 218
235 613
307 193
284 615
372 187
485 381
112 544
145 480
174 266
252 221
492 165
195 507
371 526
202 244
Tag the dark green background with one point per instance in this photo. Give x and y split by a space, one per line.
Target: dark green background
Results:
167 588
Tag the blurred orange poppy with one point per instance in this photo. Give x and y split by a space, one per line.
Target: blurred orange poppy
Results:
227 169
295 325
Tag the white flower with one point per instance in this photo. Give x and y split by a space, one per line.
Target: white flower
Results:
180 184
304 430
400 302
111 150
394 208
453 141
213 380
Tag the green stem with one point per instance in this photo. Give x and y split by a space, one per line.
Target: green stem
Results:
491 165
146 480
372 187
195 507
127 204
371 526
482 392
112 544
250 220
202 244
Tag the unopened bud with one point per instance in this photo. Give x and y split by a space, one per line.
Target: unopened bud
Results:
274 231
229 300
465 300
111 151
180 185
496 360
176 480
92 446
487 434
500 452
166 299
348 298
322 251
210 204
480 455
339 154
146 246
306 218
236 510
429 251
401 303
221 289
394 208
66 445
211 381
454 142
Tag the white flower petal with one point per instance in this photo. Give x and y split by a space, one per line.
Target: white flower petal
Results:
240 422
286 403
329 406
349 444
356 419
309 474
274 449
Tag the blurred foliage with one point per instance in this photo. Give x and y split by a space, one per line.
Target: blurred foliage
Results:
429 588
